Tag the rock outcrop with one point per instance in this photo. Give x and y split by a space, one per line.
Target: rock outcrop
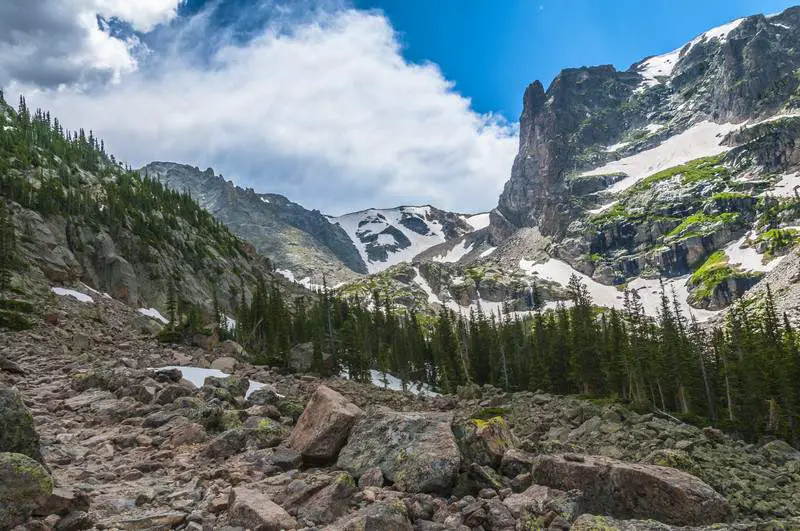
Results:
628 490
24 486
17 434
323 427
415 450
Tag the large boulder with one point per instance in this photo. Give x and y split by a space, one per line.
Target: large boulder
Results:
631 491
17 434
24 486
251 509
590 522
416 451
484 441
323 427
386 515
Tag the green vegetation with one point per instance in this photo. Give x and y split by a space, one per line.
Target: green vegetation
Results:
699 222
778 240
43 167
714 271
703 169
730 196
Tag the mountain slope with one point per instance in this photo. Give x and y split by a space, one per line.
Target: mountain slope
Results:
80 216
682 168
385 237
301 243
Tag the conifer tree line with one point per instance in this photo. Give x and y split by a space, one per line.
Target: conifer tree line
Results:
42 168
742 375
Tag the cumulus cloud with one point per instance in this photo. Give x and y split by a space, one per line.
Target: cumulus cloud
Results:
51 43
325 111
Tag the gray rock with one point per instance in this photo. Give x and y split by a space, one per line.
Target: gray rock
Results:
627 490
254 510
18 434
416 451
24 486
386 515
225 364
324 426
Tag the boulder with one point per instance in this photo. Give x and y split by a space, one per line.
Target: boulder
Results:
484 441
589 522
323 427
516 462
24 486
416 451
264 433
226 444
225 364
17 434
265 396
386 515
539 500
330 503
301 358
251 509
63 501
372 477
631 491
226 389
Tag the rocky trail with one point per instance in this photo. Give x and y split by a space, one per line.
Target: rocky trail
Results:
128 447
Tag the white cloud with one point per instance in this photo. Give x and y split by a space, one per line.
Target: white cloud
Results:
329 114
54 43
143 15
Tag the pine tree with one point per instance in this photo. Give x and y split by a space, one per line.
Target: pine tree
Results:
8 248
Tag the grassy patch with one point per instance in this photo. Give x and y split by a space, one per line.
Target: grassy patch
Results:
729 196
697 170
699 221
778 239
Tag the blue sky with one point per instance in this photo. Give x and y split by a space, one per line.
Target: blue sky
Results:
493 49
340 105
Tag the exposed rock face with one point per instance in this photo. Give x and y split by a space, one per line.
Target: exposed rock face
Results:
17 434
414 450
24 485
747 72
629 490
323 427
272 223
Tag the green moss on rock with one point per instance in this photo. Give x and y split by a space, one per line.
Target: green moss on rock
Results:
24 485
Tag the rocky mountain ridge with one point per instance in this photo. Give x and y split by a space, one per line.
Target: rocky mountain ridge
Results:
309 247
681 169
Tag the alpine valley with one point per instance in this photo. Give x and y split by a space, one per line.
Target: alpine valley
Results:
614 346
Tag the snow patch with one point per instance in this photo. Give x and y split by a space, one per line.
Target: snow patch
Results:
478 221
153 314
617 147
389 381
488 251
366 223
82 297
662 66
420 281
748 258
455 254
264 199
785 187
197 376
609 296
602 208
700 140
